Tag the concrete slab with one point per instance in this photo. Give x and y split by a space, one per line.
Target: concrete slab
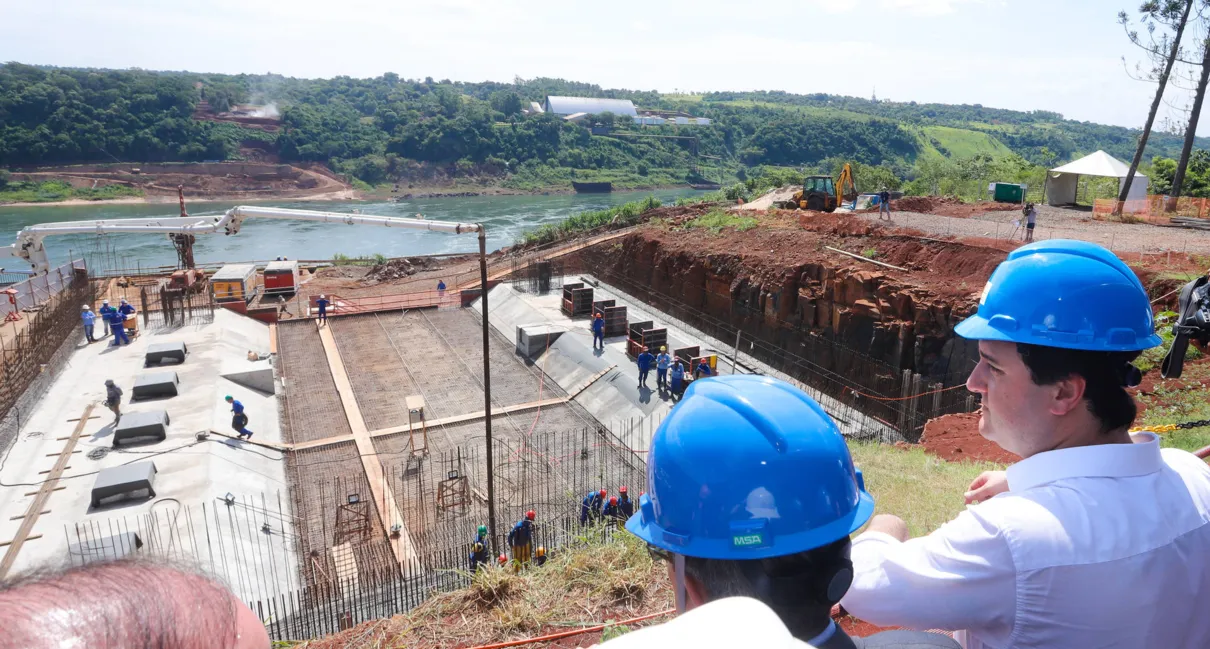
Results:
154 385
191 515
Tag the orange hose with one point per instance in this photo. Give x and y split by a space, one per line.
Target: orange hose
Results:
568 634
1203 453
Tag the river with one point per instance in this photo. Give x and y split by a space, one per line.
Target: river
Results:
506 217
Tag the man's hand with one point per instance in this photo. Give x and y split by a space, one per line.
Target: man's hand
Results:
988 484
889 524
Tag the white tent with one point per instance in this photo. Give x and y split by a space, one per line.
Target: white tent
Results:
1061 182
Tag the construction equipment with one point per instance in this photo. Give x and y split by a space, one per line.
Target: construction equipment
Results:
820 194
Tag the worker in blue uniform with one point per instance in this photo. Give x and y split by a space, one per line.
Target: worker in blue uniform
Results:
610 511
117 324
322 303
478 557
598 331
104 312
590 507
753 493
90 320
521 539
645 360
676 378
702 369
625 504
125 308
663 361
239 420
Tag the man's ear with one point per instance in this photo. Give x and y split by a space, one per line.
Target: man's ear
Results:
695 593
1067 394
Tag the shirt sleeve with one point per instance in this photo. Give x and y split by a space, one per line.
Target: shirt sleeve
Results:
959 577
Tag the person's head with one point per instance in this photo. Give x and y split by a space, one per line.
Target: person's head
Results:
602 493
613 500
1058 326
228 398
502 559
529 515
482 530
773 522
598 315
87 308
624 493
122 301
663 349
322 297
108 381
104 302
128 603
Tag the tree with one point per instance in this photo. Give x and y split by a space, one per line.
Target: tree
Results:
1171 14
1191 129
507 102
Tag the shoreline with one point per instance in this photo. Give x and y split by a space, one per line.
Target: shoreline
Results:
418 193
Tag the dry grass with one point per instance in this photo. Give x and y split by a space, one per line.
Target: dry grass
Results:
592 584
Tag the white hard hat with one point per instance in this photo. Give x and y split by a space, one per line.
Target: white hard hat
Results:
321 296
104 301
87 308
721 624
123 299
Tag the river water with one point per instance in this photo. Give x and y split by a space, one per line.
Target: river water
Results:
506 218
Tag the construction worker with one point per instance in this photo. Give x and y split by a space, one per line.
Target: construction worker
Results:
521 538
239 420
1090 512
502 560
90 319
598 331
113 400
676 375
125 308
540 556
481 534
753 493
1031 221
702 369
104 312
478 557
884 203
117 324
440 288
610 511
662 362
322 303
645 360
625 504
590 507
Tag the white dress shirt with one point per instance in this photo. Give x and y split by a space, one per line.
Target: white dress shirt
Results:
1097 546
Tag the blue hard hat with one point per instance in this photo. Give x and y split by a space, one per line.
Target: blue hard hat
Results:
1064 293
748 467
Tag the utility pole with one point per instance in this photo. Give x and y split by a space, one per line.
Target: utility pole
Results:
487 395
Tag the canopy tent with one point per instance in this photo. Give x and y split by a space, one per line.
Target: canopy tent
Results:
1061 182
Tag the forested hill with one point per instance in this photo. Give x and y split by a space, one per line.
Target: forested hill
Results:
388 127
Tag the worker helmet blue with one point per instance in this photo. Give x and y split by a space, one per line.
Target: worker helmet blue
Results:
748 467
1064 293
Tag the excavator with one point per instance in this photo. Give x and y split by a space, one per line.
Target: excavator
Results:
820 194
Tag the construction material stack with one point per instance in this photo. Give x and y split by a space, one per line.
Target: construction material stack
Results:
693 356
615 317
577 300
645 335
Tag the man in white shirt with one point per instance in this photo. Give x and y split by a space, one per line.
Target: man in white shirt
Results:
1096 538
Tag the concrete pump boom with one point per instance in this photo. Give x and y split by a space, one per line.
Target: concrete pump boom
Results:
29 245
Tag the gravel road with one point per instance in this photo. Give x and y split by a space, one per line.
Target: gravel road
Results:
1059 223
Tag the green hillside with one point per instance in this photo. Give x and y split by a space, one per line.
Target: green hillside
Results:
389 129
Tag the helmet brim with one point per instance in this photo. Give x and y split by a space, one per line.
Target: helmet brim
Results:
781 546
977 327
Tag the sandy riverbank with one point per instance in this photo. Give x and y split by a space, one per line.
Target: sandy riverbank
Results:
342 195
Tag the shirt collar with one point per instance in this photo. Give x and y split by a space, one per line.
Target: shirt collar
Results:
825 635
1099 461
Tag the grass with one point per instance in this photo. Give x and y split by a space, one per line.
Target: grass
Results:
717 220
923 490
962 143
340 259
591 582
869 253
1178 401
56 190
619 215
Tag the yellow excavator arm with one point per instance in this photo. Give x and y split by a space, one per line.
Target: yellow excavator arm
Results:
846 185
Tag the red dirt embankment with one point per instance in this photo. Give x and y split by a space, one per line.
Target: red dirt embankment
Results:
956 437
945 206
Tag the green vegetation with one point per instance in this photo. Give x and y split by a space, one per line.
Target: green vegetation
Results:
57 190
717 219
923 490
618 216
387 129
340 259
870 253
1178 401
1197 175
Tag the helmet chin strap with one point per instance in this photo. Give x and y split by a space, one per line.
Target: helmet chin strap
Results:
678 567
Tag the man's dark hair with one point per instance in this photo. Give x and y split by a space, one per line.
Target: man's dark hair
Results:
1105 374
126 603
795 586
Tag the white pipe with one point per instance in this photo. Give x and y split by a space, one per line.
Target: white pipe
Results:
451 227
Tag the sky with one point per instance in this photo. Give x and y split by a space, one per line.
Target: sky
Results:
1058 55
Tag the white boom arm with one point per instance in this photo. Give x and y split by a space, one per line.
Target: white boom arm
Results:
29 246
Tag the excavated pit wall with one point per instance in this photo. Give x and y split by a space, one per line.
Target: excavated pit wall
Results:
876 312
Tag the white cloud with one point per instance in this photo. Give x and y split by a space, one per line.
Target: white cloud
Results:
924 7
